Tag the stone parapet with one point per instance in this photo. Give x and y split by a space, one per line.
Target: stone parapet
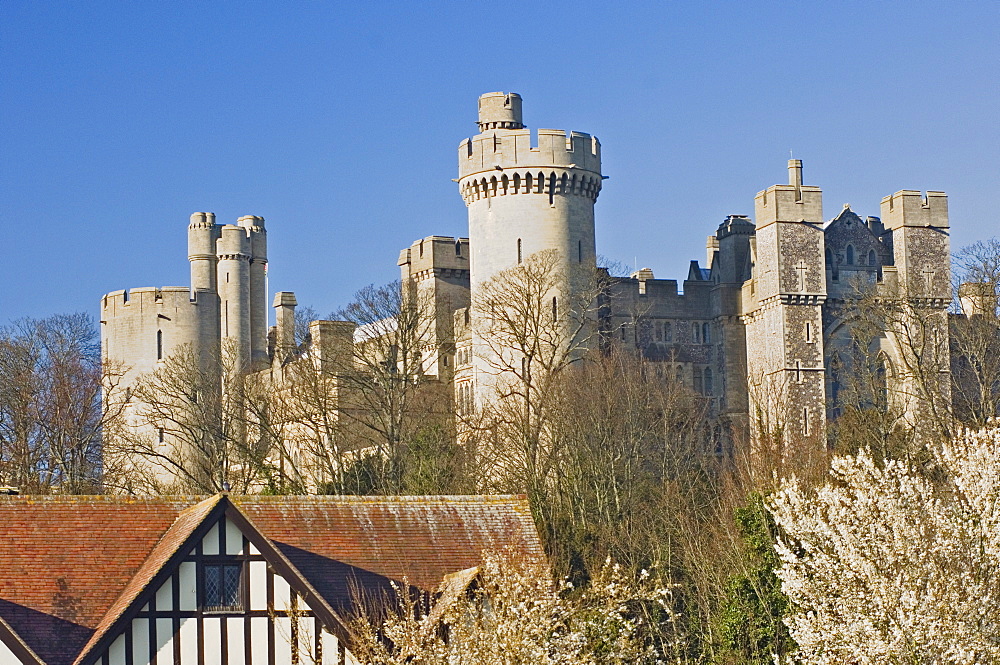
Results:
498 150
912 208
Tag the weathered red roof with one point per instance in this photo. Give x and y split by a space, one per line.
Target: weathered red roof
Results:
418 539
65 560
71 565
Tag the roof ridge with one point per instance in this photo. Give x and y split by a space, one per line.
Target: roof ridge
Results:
379 498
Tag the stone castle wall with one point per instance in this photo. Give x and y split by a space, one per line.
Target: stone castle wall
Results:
765 309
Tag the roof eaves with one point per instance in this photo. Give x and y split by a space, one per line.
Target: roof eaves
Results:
17 646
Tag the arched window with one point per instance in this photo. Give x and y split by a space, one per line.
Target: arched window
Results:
708 381
518 251
706 333
658 327
829 257
458 248
555 310
159 345
679 375
871 257
850 255
696 332
668 333
698 387
579 251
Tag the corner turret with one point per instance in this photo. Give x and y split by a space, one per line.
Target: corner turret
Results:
233 250
920 243
254 226
784 309
202 235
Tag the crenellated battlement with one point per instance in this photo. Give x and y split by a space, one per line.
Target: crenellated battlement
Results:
735 225
498 150
436 253
912 208
145 297
202 220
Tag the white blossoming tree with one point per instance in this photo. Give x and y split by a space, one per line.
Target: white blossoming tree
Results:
509 612
893 564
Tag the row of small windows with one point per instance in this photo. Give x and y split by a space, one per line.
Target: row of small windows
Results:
849 257
464 399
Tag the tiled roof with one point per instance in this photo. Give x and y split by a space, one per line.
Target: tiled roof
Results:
65 560
70 566
416 539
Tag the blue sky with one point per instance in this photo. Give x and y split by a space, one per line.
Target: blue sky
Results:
339 123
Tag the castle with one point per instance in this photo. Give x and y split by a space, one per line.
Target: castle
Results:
755 330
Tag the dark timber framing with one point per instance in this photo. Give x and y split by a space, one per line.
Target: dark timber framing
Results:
304 602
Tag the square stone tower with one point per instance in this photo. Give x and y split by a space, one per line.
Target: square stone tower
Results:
787 289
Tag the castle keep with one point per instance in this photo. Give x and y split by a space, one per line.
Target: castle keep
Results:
758 329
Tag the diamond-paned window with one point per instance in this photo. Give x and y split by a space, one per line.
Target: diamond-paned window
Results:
222 588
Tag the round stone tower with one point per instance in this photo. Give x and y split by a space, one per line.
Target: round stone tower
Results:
527 194
254 226
525 198
234 255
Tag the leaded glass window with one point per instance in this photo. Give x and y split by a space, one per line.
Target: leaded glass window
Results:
222 587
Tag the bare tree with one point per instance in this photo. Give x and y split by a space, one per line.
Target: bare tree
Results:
975 334
189 426
386 400
51 417
632 437
527 341
891 371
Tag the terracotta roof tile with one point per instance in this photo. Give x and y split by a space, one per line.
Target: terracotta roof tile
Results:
174 537
417 539
65 560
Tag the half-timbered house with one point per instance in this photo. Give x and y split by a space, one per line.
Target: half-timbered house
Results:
226 580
